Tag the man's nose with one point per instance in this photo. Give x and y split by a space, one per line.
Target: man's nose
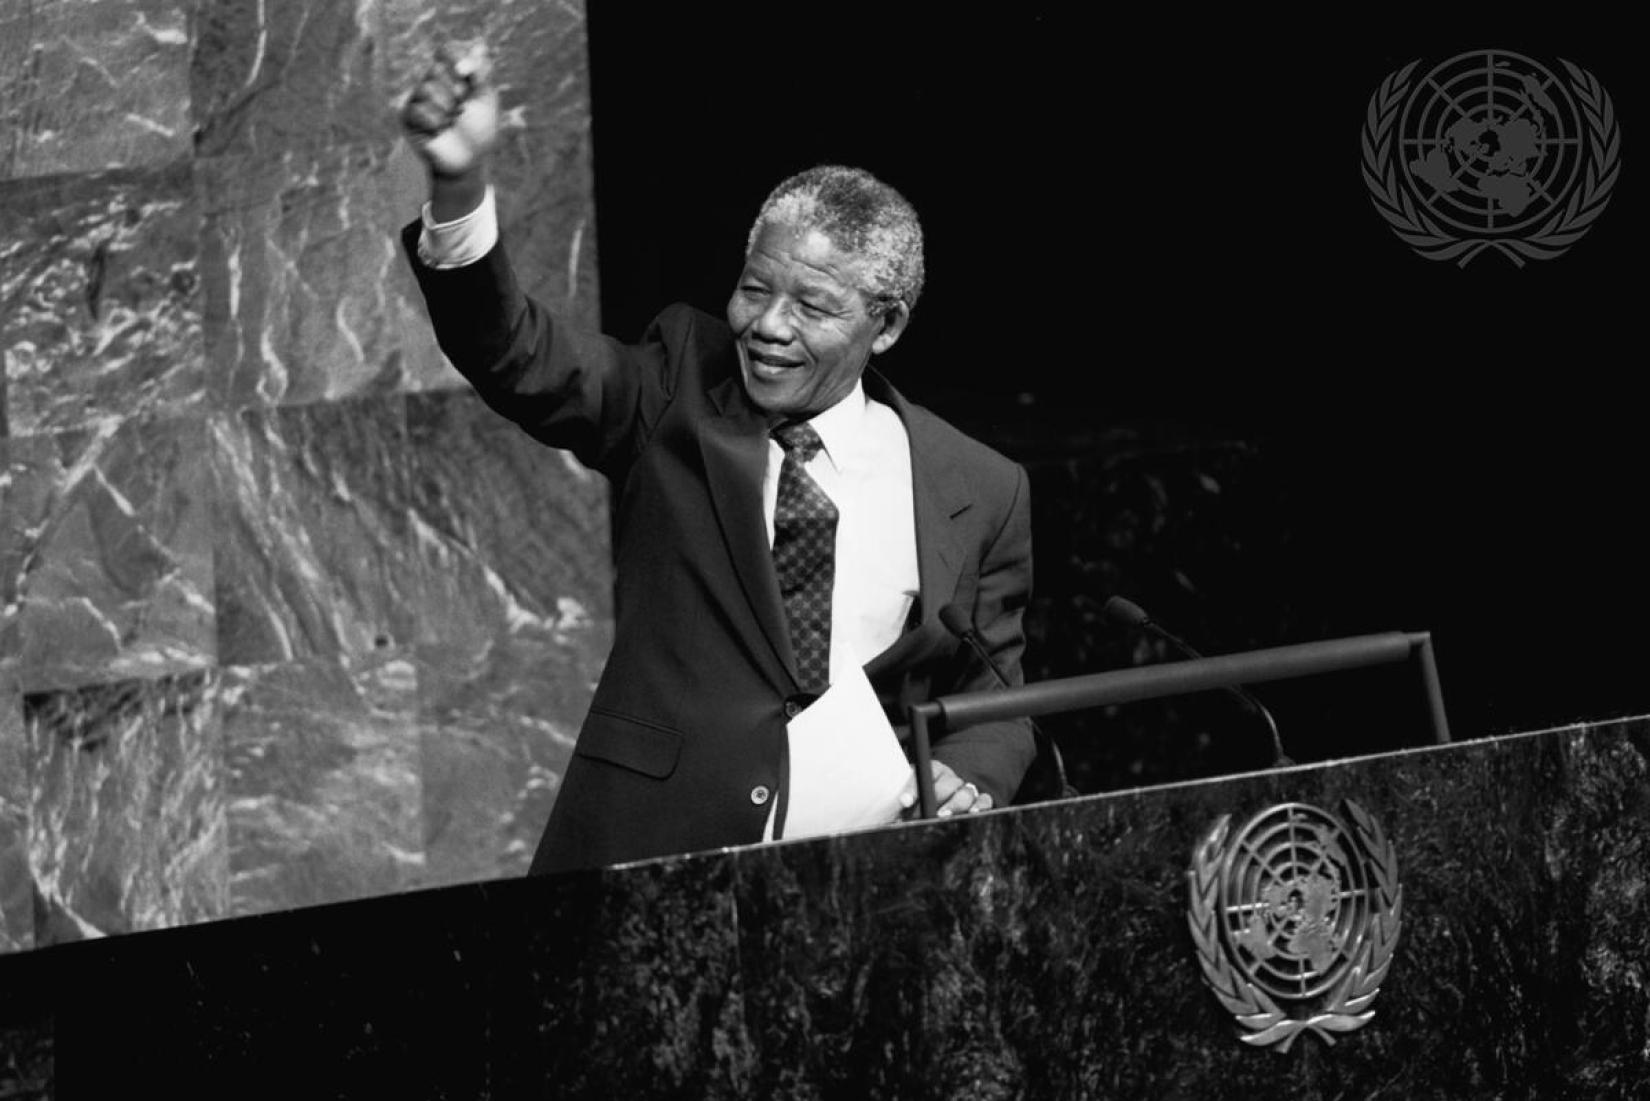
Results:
774 322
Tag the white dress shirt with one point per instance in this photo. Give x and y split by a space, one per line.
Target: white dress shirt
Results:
462 240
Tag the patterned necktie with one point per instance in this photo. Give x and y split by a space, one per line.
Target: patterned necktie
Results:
804 555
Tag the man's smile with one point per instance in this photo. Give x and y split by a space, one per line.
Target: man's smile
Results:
770 364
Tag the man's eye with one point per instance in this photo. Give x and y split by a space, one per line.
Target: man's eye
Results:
752 289
812 309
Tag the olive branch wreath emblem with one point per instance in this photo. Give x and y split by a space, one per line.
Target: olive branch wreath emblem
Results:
1427 238
1345 1007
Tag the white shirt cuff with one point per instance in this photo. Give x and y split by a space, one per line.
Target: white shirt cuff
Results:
461 241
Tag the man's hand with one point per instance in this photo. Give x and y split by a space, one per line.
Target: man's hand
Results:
952 794
452 117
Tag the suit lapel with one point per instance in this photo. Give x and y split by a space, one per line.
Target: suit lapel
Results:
940 499
940 495
734 443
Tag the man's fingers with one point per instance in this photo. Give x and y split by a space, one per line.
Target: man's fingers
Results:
946 786
456 74
430 108
452 117
960 798
966 799
952 794
424 117
440 93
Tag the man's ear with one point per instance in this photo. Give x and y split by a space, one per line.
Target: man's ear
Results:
893 324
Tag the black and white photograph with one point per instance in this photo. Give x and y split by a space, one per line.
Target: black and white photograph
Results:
592 549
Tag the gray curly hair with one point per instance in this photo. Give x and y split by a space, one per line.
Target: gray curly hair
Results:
861 215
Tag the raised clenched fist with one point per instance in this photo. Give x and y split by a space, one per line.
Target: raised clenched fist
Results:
451 118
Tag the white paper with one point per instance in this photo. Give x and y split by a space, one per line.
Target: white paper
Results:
847 768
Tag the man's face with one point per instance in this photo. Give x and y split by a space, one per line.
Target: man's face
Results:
803 330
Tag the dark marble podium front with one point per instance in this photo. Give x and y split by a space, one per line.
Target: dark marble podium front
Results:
1039 952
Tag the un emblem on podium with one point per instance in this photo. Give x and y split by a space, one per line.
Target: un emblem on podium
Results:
1295 918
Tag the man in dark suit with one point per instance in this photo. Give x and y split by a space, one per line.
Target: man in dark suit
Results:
783 517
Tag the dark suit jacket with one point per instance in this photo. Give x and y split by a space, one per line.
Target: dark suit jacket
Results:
688 721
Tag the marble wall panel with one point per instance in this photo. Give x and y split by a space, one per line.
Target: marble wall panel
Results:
93 84
490 773
207 482
307 294
313 555
542 168
323 781
127 827
268 77
106 539
13 528
304 274
100 289
518 605
16 913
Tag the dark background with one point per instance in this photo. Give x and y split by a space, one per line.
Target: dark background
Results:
1156 278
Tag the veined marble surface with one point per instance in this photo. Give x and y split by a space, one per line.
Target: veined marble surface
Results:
271 77
126 814
87 86
108 538
286 615
13 538
16 907
519 623
324 781
306 293
100 286
313 541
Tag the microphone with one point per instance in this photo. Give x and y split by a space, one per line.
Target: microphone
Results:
957 620
1126 613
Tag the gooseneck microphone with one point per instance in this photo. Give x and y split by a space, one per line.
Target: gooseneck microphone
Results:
1126 613
957 620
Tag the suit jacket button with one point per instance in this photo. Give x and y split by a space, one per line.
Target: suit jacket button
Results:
792 709
759 794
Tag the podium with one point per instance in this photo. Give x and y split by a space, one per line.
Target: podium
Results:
1039 952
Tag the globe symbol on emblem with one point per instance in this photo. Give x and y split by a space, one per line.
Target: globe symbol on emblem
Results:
1295 901
1491 141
